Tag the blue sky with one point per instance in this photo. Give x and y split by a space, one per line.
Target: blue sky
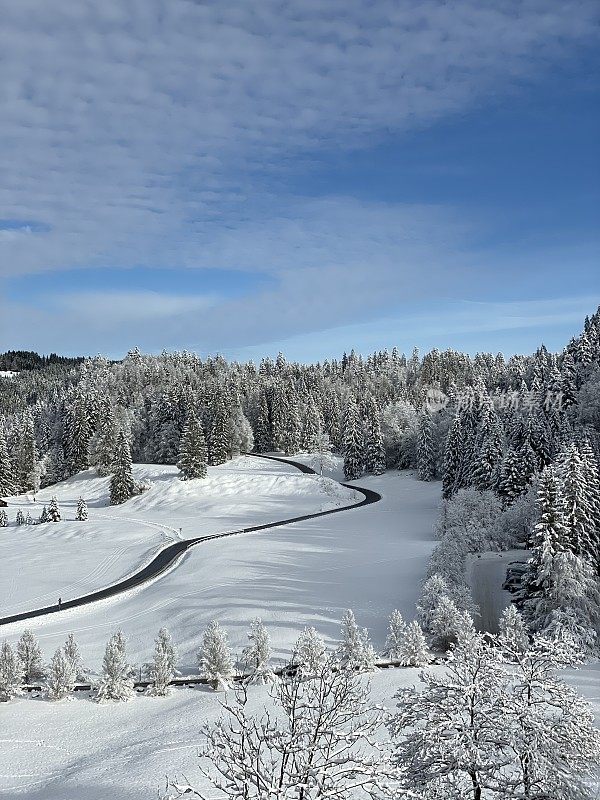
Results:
296 176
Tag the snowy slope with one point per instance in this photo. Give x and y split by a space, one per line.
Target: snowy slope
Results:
43 562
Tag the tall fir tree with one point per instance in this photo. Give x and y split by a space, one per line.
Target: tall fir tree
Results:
374 450
122 484
218 442
353 442
7 474
425 452
193 456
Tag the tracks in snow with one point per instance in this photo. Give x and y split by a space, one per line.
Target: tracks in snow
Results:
168 558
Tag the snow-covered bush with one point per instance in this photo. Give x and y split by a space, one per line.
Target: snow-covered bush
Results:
310 653
215 659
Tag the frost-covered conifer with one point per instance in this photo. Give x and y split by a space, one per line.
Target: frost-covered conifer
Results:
434 588
513 637
353 442
29 520
374 450
11 673
395 636
82 510
53 511
7 472
263 439
425 452
310 653
122 484
355 651
3 518
453 456
215 659
193 455
162 670
257 654
448 623
30 656
61 676
218 440
116 682
20 518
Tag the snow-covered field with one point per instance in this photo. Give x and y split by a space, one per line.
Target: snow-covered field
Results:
44 562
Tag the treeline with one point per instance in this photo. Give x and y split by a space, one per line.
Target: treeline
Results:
19 360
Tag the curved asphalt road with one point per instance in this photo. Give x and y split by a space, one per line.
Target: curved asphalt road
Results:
167 557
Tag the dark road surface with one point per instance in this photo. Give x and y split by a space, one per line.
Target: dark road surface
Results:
167 557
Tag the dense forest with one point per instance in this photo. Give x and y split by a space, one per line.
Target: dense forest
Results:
514 441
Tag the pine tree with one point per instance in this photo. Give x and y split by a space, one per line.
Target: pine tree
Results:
353 442
486 469
44 515
215 659
452 458
7 473
310 653
162 670
3 518
256 656
53 511
425 453
193 455
218 450
20 519
82 510
395 637
122 484
448 623
578 510
29 520
77 435
263 439
30 657
104 442
116 682
355 651
27 455
374 450
11 673
61 677
513 481
513 638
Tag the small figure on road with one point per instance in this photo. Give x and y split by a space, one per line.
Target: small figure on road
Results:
59 603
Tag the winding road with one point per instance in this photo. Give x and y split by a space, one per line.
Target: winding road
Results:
167 557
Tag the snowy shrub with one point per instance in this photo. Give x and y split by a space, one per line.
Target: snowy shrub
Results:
448 623
310 653
321 742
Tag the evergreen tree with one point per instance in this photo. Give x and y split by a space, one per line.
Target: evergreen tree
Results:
425 453
27 455
61 677
43 516
395 637
104 442
3 518
20 519
193 456
578 510
162 670
82 510
7 474
488 461
11 673
218 449
355 651
71 651
448 623
513 638
512 481
374 450
53 511
30 657
122 485
452 457
116 682
215 659
77 436
263 439
353 442
310 428
413 650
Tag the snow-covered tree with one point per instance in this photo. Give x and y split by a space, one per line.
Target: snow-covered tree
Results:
72 654
218 440
374 450
215 659
30 656
162 669
353 442
122 484
54 511
8 479
193 454
11 673
20 518
82 510
44 515
3 518
412 650
310 652
355 651
257 654
241 438
321 742
395 636
448 623
425 451
103 443
62 675
513 636
116 682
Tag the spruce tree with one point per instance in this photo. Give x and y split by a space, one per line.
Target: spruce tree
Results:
257 654
3 518
20 518
71 651
452 457
116 682
193 455
218 449
578 510
263 439
122 484
353 442
54 511
7 473
355 651
162 670
310 653
27 455
82 510
395 636
425 453
374 450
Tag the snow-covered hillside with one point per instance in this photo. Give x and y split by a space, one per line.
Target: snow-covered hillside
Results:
43 562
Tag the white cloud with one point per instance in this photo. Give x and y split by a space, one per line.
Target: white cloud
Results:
130 129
